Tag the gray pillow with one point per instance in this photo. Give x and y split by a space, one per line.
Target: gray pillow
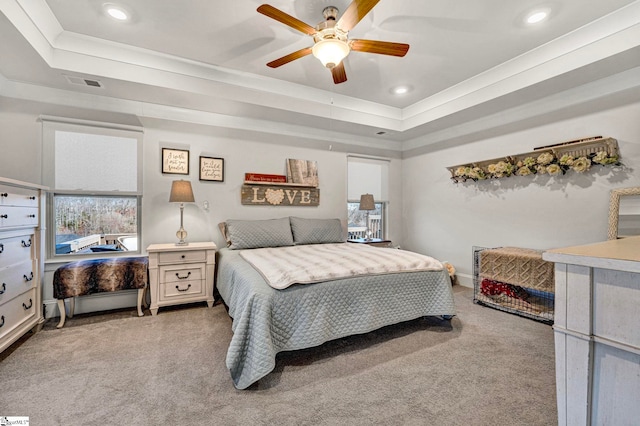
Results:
246 234
316 231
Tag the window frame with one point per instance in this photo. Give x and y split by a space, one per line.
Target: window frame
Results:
383 211
51 224
50 125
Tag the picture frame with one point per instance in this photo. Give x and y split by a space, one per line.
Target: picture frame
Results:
628 216
211 169
175 161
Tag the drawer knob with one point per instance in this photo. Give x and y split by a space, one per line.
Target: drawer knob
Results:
31 215
183 289
4 288
28 243
183 256
28 278
4 194
2 318
26 308
32 198
183 278
1 248
4 216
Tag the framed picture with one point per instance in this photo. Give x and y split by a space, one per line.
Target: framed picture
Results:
212 169
175 161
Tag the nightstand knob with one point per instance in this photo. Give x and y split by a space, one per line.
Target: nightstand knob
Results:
183 256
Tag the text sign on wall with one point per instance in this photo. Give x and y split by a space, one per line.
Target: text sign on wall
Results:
278 195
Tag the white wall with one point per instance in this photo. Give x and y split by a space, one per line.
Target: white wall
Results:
161 219
21 159
20 147
446 220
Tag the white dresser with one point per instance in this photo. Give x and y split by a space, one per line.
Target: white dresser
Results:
597 332
21 259
181 274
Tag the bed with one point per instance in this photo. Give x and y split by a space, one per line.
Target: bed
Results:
305 313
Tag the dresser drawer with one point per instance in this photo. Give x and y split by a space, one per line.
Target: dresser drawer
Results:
16 279
11 216
16 249
182 256
16 311
12 196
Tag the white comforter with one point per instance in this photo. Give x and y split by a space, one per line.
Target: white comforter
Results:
305 264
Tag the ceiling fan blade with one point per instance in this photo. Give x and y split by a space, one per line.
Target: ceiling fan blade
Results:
290 57
286 19
380 47
354 13
339 74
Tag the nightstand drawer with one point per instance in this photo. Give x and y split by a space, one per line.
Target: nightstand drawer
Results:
183 289
182 256
179 273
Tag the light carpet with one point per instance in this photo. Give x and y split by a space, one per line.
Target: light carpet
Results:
484 367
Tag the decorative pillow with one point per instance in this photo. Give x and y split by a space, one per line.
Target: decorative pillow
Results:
316 231
246 234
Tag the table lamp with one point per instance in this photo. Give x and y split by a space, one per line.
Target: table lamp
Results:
367 203
181 192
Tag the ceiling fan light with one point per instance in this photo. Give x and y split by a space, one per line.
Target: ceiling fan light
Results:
330 51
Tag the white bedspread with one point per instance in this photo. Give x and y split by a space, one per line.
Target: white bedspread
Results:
305 264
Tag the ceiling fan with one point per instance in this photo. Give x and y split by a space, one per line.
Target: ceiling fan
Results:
331 41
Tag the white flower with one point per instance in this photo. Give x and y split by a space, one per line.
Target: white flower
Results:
581 164
523 171
566 160
554 169
600 157
460 171
545 158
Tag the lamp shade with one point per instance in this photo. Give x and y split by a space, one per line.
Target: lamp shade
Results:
366 202
330 51
181 192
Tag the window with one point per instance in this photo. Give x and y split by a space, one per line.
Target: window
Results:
357 220
95 176
367 176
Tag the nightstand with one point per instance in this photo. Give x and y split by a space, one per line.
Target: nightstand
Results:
181 274
378 242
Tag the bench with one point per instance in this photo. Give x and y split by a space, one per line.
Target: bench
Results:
93 276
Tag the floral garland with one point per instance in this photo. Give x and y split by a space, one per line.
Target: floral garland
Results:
545 163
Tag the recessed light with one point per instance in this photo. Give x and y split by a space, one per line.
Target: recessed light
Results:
536 16
116 12
400 90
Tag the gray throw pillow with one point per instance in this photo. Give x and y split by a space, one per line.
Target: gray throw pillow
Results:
246 234
316 231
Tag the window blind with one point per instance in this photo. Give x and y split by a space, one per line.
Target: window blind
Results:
92 159
367 176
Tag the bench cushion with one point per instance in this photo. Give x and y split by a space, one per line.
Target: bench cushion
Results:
99 275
